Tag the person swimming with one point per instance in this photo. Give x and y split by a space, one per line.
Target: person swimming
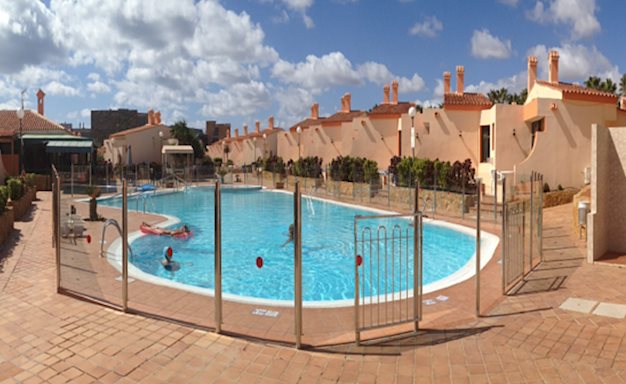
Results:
167 262
291 234
183 229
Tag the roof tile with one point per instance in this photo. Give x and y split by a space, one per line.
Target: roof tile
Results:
474 99
573 88
33 122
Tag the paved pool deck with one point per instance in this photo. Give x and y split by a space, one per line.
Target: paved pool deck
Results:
527 338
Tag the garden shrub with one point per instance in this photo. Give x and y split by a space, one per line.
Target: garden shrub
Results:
16 188
4 197
353 169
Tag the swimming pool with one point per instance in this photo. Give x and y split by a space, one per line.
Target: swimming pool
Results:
255 224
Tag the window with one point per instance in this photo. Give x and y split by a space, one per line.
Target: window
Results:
535 126
485 143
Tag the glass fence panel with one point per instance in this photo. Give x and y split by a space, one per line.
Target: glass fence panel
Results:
90 241
258 263
171 259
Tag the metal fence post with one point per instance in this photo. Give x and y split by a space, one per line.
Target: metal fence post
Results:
463 198
124 245
532 217
495 196
503 235
57 224
357 333
478 185
218 258
72 179
435 191
540 224
297 207
417 280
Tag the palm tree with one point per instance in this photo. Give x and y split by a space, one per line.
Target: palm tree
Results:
622 85
499 96
593 82
609 86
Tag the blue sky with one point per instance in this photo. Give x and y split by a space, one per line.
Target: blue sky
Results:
241 60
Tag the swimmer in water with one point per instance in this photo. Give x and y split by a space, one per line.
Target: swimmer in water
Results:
171 232
291 235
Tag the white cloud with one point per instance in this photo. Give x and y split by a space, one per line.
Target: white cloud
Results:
26 35
98 87
244 99
301 6
318 73
578 15
86 112
57 88
487 46
429 27
576 62
294 104
513 83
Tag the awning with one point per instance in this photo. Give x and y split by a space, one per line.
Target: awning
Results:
177 149
69 146
43 137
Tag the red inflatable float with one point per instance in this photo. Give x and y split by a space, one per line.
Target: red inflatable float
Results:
160 232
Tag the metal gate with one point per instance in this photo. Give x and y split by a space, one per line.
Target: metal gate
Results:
388 271
522 220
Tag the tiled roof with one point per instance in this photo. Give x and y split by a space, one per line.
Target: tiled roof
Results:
341 117
33 122
473 99
137 129
573 88
391 109
306 123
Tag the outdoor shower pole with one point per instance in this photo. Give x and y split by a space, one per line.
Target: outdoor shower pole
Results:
57 225
124 246
532 217
297 242
417 259
478 184
218 257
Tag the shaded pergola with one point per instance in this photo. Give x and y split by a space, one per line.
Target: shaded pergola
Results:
167 151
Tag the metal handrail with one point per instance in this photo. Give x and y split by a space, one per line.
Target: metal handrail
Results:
105 225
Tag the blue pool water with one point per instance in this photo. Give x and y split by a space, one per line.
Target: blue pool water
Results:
255 223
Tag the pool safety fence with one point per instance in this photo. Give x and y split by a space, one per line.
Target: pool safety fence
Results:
522 226
95 260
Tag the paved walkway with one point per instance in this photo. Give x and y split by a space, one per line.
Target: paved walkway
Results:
46 337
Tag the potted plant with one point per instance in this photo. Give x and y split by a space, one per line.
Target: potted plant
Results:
222 172
93 192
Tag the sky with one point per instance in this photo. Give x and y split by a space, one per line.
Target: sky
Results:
238 61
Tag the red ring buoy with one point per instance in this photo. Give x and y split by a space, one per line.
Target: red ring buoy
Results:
259 262
88 239
359 260
170 251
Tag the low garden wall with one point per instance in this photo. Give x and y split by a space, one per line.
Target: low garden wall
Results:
22 205
6 224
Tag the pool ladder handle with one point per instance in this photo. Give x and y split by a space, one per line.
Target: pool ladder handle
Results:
105 225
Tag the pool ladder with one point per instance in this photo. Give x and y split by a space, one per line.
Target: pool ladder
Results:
106 224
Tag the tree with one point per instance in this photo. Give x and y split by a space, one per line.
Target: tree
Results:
186 136
607 85
519 98
499 96
622 85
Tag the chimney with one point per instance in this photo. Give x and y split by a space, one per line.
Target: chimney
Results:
150 117
554 67
245 129
386 92
270 123
345 103
622 103
157 117
315 111
532 72
446 82
228 133
257 126
394 88
236 132
460 73
40 96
